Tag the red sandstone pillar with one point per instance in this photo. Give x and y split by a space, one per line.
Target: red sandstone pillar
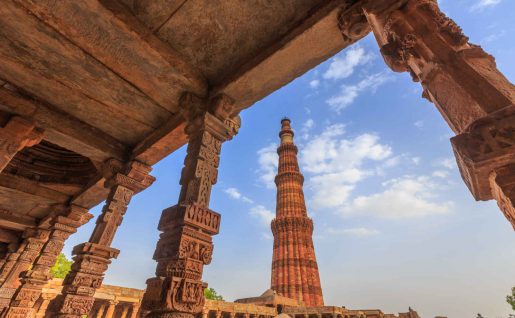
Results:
294 268
462 80
185 244
92 258
32 281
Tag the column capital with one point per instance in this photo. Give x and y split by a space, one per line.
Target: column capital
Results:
488 144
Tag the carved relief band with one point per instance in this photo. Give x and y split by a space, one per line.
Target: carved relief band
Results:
91 259
185 244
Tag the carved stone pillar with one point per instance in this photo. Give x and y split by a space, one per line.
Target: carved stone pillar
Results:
44 305
17 134
111 308
205 314
32 281
101 309
125 311
185 244
19 262
135 309
463 81
92 258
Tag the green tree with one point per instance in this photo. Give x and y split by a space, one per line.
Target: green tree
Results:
210 293
510 299
61 267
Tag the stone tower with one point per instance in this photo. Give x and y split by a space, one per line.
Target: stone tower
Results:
294 266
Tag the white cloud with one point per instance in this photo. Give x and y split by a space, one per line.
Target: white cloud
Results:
266 216
335 164
314 83
419 124
447 163
349 93
343 67
358 232
268 163
306 128
405 197
440 174
480 5
235 194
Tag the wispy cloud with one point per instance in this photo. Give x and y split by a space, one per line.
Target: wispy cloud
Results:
268 163
480 5
348 93
343 67
235 194
356 232
263 214
335 163
405 197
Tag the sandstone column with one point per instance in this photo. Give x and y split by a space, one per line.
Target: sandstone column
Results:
19 262
93 257
125 311
135 310
462 80
185 245
32 281
111 308
100 312
44 305
15 135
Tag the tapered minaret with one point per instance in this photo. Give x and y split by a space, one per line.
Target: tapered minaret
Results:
294 266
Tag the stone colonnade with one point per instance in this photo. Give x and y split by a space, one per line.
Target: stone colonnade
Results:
461 79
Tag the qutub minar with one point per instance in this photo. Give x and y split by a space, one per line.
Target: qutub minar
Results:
294 266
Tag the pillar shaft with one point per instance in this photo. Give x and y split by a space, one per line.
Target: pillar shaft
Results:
33 281
101 310
17 134
19 262
135 310
185 244
111 309
462 80
92 258
125 311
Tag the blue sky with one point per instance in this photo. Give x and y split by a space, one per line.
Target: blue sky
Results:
395 226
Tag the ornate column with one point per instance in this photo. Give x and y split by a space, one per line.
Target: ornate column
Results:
34 240
135 310
15 135
185 244
125 311
92 258
462 80
101 309
33 281
44 305
111 308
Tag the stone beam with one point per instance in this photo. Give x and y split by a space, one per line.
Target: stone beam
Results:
9 236
316 39
161 142
32 187
63 129
14 221
15 135
111 34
